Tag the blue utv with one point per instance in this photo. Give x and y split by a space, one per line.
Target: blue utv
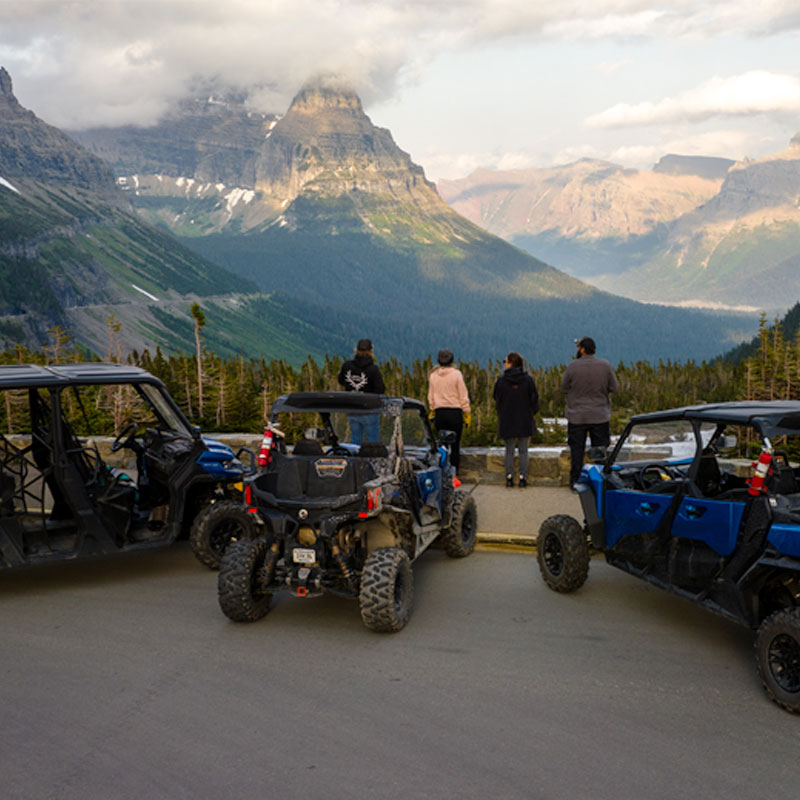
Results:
665 506
331 515
60 500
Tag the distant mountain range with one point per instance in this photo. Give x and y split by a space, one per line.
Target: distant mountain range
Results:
693 230
321 205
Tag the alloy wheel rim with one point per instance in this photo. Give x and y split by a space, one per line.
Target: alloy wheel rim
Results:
553 555
783 658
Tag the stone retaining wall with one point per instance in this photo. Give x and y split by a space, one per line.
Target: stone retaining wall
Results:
547 466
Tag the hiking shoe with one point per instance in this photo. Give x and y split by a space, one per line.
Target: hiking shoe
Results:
523 482
509 480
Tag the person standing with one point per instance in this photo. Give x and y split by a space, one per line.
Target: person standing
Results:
587 383
362 374
517 401
448 400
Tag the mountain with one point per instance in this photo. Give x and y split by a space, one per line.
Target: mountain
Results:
322 206
692 231
589 217
740 247
73 252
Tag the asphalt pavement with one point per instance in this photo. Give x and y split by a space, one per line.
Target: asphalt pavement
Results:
122 680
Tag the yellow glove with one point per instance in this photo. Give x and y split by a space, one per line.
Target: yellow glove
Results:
431 415
468 419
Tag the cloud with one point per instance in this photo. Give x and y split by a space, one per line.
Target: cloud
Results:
612 67
90 62
755 92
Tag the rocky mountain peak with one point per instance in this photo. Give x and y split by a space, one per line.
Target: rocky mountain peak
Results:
319 97
6 87
32 149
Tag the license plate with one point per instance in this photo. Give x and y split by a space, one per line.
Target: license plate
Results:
304 555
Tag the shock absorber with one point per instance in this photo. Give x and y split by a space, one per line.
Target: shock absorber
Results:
266 571
344 567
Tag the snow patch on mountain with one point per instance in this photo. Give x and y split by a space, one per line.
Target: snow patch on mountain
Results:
145 293
4 182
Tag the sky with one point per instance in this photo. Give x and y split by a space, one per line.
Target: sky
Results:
461 84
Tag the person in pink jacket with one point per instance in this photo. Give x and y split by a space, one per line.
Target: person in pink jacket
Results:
448 401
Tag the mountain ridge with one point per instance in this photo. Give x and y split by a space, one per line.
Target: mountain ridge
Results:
332 212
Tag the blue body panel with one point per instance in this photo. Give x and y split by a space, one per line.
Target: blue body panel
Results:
213 459
629 513
709 521
785 538
429 482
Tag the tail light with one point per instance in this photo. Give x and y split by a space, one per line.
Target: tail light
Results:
248 494
374 499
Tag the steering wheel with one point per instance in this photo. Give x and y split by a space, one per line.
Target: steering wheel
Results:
125 438
652 474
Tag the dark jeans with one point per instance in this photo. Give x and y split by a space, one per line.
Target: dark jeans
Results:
451 419
599 435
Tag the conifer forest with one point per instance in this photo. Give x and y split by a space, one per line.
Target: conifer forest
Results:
235 394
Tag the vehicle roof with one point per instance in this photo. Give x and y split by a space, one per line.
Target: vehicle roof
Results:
770 418
21 376
342 401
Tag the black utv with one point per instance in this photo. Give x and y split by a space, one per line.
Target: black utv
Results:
666 506
60 500
332 515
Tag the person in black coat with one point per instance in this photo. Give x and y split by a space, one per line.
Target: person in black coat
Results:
517 401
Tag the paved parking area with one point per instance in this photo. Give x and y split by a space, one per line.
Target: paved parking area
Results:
122 680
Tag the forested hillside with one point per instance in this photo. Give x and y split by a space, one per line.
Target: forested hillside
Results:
238 391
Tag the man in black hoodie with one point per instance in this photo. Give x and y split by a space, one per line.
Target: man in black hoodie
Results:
361 374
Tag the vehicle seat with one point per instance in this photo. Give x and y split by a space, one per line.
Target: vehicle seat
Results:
782 480
709 474
307 447
373 450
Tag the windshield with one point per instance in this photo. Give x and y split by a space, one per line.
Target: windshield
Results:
330 427
106 409
663 440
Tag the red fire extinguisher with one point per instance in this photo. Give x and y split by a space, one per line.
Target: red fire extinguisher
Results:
267 445
760 473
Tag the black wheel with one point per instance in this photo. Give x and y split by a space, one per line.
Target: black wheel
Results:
458 539
563 553
778 657
216 526
387 590
238 584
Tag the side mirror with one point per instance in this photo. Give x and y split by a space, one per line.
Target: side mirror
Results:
726 442
447 437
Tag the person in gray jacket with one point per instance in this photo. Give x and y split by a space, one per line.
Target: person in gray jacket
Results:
587 382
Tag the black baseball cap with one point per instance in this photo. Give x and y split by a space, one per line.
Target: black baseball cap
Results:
587 343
